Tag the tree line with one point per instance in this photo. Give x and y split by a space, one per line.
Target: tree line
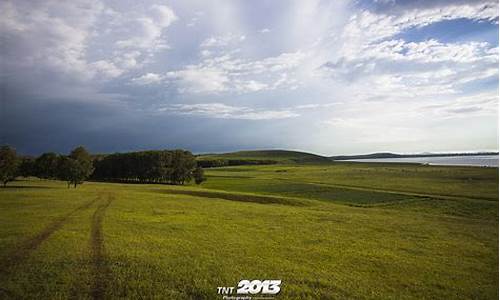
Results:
166 166
73 168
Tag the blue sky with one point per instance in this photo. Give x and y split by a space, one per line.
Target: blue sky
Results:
329 77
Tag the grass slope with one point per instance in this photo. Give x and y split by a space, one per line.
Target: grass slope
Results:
315 181
421 233
282 156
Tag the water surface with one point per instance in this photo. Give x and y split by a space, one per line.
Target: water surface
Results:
473 160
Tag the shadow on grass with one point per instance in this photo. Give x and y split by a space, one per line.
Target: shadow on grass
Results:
27 187
8 294
237 197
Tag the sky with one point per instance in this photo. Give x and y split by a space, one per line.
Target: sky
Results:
328 77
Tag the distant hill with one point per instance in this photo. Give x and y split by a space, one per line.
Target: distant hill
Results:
394 155
259 157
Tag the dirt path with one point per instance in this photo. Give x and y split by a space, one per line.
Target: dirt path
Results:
100 272
23 250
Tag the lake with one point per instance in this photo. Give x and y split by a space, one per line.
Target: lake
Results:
473 160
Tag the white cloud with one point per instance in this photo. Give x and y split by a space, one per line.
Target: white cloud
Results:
196 19
366 27
222 41
226 73
200 79
146 32
250 86
223 111
148 78
76 38
367 47
318 105
163 15
205 53
406 69
48 34
137 36
128 60
429 51
106 68
374 64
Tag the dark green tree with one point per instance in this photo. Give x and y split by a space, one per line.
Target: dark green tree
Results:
183 164
27 167
8 164
165 166
199 175
46 166
69 170
76 167
81 155
85 165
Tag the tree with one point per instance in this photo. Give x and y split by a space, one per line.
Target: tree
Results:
199 175
69 170
164 166
81 155
183 164
8 164
46 165
76 167
27 167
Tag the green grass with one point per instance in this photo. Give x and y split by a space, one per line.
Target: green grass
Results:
358 231
461 182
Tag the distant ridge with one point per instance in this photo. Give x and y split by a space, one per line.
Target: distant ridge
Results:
269 157
395 155
256 157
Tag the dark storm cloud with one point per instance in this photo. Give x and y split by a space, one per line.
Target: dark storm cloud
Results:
37 126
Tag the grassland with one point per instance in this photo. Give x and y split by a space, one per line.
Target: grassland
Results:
332 230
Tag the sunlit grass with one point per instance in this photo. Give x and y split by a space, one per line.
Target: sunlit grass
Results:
175 242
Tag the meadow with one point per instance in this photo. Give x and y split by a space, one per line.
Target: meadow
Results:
327 230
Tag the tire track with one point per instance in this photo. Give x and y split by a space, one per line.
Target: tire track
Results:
101 273
24 249
8 294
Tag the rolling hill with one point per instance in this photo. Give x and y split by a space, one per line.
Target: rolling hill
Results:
264 157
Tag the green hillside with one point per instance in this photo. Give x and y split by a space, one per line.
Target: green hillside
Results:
281 156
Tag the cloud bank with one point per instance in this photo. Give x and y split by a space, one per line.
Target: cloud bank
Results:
324 76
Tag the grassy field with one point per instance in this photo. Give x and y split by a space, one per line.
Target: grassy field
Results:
334 230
